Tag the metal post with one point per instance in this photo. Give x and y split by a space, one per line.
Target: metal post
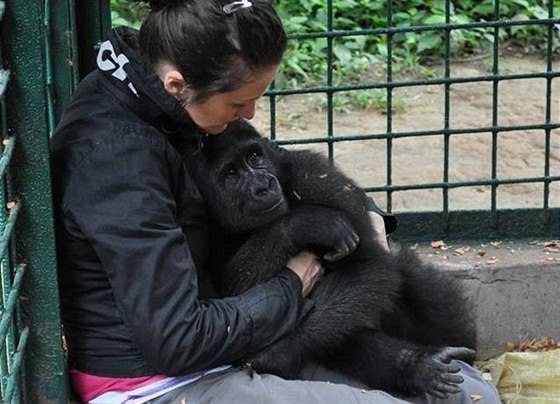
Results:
23 45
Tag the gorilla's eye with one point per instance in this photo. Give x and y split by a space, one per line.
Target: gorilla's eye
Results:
230 170
254 158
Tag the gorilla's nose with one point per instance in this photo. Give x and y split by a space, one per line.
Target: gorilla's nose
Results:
264 186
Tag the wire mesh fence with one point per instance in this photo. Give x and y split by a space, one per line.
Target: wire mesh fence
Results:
13 334
462 146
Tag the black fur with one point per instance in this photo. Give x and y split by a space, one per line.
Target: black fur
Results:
387 319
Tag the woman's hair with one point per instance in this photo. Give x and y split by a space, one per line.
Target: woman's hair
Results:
215 49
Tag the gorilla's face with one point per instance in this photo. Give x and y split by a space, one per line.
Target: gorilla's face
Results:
242 184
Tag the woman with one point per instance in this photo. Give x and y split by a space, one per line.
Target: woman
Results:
131 226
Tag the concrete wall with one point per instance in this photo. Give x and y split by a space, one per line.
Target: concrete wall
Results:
515 287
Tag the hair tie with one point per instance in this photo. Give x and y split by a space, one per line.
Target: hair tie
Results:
236 5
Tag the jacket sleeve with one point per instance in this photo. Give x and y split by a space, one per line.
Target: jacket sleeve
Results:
121 197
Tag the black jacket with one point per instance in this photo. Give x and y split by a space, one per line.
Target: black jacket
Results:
130 227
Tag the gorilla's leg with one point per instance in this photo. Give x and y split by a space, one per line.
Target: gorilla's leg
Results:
391 364
433 309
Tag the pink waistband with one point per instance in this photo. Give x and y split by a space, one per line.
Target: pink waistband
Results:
88 386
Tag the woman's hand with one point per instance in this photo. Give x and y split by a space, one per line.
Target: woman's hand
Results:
308 268
379 229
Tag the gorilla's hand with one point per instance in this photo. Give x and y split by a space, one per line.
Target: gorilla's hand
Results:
436 373
326 228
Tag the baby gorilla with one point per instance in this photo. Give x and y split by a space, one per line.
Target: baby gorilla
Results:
387 319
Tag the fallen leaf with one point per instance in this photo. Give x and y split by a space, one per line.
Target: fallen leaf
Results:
543 344
439 245
552 246
461 251
492 260
496 244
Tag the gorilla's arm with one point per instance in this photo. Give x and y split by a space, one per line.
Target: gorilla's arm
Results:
309 178
267 251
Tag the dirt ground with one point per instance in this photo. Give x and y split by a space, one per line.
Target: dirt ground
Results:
420 160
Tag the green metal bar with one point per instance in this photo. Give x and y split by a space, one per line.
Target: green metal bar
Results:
439 185
5 262
548 111
9 228
495 88
330 149
3 115
412 83
48 67
4 78
446 103
61 64
5 287
7 153
72 42
422 133
11 303
94 20
427 27
272 109
11 387
23 41
389 106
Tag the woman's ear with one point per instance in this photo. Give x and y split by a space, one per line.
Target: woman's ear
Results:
174 84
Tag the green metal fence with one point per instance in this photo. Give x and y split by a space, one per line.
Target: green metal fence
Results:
46 46
487 220
36 38
13 334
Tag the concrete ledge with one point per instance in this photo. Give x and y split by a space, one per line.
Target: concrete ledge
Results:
514 285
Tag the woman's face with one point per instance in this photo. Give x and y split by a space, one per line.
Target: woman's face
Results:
214 114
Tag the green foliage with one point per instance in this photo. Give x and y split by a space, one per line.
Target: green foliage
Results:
377 100
359 58
128 13
354 55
